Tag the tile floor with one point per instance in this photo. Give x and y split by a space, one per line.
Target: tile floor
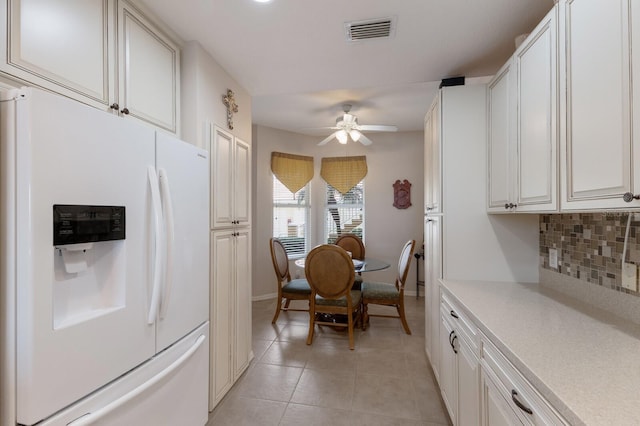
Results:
386 380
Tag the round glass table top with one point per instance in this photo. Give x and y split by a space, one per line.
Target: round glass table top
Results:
369 264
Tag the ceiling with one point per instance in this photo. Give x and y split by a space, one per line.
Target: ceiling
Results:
293 57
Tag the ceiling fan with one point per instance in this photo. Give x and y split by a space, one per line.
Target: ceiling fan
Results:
347 126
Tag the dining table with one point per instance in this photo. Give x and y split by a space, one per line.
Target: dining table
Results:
369 264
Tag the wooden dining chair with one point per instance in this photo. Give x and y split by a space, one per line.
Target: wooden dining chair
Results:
352 243
288 289
330 273
389 294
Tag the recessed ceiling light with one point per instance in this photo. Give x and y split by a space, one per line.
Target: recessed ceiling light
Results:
262 1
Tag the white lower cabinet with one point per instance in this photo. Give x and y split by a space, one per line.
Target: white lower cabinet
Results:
507 395
495 409
459 366
479 385
230 310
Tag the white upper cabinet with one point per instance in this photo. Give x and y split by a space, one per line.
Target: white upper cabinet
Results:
62 42
230 180
523 125
149 71
500 140
598 142
104 53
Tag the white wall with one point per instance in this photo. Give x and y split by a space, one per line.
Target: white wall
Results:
392 156
203 84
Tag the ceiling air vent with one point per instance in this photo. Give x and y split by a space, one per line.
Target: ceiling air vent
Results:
370 29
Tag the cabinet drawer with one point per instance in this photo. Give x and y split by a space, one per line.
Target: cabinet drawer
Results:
461 322
530 407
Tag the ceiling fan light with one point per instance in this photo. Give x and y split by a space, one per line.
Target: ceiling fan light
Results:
355 135
342 137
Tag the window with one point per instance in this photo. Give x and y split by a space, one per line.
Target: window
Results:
344 213
291 214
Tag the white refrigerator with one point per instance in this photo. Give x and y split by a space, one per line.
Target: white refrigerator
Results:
105 268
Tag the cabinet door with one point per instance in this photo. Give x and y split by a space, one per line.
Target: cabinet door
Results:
61 45
242 301
448 373
222 311
222 172
242 183
149 76
598 134
436 158
428 124
535 62
468 385
495 410
499 115
433 272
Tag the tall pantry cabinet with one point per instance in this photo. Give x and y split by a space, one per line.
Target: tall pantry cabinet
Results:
230 262
463 242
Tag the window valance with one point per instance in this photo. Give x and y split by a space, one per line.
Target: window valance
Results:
343 173
294 171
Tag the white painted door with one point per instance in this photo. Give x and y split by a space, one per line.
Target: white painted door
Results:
537 109
597 167
468 385
448 371
61 45
433 272
242 183
149 75
222 311
242 302
222 174
496 411
436 158
79 330
183 171
500 139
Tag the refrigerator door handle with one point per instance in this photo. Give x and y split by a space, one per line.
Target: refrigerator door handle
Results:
96 415
167 210
157 263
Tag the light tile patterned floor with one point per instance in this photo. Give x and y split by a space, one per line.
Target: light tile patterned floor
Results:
386 380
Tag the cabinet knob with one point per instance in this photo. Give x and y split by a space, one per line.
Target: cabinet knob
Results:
510 206
114 106
628 197
125 111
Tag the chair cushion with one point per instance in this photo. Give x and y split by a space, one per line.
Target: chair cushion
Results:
300 286
355 300
379 291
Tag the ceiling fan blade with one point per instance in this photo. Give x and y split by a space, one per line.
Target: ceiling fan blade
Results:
377 128
327 139
365 140
320 128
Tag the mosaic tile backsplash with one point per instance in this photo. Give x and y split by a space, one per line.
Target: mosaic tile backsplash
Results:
590 246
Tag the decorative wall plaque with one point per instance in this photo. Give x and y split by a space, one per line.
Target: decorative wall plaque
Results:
402 194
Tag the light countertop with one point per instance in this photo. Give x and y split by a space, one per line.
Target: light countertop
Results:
583 360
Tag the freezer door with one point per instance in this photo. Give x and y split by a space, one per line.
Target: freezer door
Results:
81 314
167 390
183 171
